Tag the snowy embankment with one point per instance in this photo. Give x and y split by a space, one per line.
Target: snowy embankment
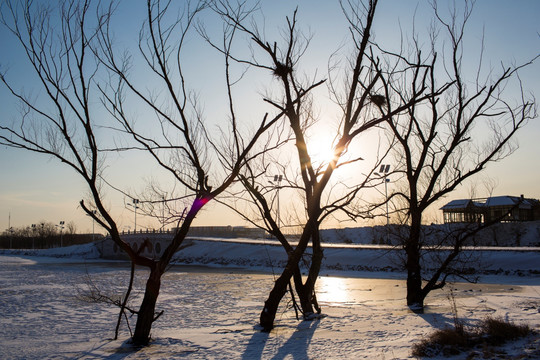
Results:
77 252
339 259
264 255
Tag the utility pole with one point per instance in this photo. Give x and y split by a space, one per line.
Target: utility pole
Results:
33 236
61 226
163 213
383 171
10 229
135 207
94 212
277 185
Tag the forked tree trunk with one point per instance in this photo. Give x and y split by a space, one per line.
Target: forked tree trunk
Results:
146 314
279 290
308 301
306 291
303 296
271 305
314 270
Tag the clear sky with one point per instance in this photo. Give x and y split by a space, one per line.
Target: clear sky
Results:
35 188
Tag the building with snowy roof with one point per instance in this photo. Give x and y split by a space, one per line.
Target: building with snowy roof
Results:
501 208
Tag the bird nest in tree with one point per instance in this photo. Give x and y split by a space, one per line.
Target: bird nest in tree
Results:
377 99
282 70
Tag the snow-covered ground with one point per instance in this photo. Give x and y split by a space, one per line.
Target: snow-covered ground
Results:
349 259
526 233
211 313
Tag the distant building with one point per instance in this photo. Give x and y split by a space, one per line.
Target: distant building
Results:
507 208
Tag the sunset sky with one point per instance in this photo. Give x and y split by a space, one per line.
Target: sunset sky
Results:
35 188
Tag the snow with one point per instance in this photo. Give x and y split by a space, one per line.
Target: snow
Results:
340 259
456 204
212 312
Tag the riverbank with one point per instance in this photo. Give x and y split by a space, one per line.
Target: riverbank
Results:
339 259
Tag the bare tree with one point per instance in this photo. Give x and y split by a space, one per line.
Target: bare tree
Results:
466 123
361 110
77 66
71 228
183 148
43 234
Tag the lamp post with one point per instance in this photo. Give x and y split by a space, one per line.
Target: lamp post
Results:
277 184
135 207
163 212
61 226
383 171
33 235
11 236
93 224
94 212
42 235
10 230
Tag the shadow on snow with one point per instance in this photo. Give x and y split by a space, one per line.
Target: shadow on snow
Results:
297 345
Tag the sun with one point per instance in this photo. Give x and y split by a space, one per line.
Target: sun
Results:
322 157
321 150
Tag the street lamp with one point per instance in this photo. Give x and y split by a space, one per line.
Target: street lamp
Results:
163 212
135 202
94 212
61 226
277 184
33 235
10 230
383 171
11 236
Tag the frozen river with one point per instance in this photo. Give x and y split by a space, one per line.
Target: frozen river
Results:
212 313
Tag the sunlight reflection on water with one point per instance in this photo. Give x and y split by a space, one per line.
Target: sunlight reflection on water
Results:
342 291
333 290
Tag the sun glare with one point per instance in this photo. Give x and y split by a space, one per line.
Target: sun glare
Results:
321 150
333 290
322 156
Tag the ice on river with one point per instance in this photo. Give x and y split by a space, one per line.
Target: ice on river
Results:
212 314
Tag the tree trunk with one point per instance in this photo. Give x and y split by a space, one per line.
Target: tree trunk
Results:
146 314
308 289
415 294
305 292
314 270
303 296
272 303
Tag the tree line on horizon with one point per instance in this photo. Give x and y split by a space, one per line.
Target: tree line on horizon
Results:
45 234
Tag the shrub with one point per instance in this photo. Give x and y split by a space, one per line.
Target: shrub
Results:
448 341
498 330
452 341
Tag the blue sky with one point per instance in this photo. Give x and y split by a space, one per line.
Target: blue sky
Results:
34 188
